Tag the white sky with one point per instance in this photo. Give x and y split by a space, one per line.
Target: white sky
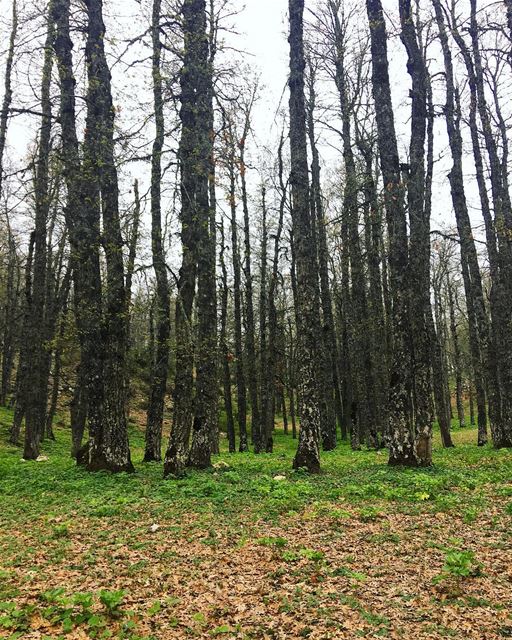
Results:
262 33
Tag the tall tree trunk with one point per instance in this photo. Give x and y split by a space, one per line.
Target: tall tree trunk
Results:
291 380
35 418
10 318
207 391
477 315
328 365
108 447
457 365
155 413
57 369
21 374
439 365
401 429
102 339
7 99
363 405
376 313
266 442
193 152
130 269
419 250
237 304
225 354
250 336
308 454
269 373
501 426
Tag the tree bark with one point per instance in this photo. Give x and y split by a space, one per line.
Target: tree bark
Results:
237 304
266 441
308 454
250 336
8 93
102 339
36 386
328 365
419 249
225 354
155 413
21 374
108 446
477 315
401 430
457 365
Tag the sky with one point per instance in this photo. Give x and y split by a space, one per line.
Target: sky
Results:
261 31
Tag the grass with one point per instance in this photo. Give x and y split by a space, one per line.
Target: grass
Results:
31 490
55 517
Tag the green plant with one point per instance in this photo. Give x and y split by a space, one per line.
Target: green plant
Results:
14 618
458 565
272 542
112 600
60 531
312 555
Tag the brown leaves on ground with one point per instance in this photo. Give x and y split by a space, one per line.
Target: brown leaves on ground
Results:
314 575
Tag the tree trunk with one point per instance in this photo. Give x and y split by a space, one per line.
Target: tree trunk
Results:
265 442
457 365
237 301
250 337
78 411
477 315
108 446
401 431
328 364
376 313
57 368
10 318
35 417
102 339
6 103
269 357
440 368
225 354
155 413
419 249
194 156
21 374
205 423
308 454
501 424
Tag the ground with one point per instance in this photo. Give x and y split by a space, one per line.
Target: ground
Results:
243 552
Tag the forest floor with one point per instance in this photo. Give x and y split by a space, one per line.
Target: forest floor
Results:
361 551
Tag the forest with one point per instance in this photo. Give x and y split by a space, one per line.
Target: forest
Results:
255 319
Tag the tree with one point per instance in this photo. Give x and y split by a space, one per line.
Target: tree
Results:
195 155
401 432
102 339
7 99
155 412
478 322
308 448
419 250
37 378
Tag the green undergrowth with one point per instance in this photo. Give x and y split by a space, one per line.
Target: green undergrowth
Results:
461 481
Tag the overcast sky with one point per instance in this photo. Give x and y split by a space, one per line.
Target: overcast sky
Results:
262 33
